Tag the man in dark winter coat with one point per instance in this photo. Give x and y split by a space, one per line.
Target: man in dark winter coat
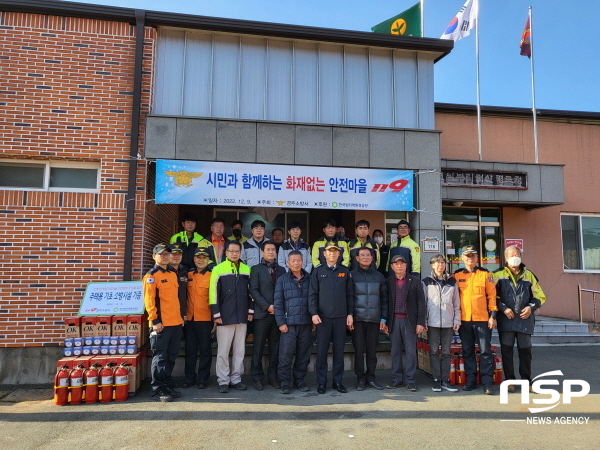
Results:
295 323
407 311
263 277
331 305
370 314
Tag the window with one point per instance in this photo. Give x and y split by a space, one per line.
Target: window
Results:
581 242
49 175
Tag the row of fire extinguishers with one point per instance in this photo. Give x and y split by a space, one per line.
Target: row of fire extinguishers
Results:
91 385
457 370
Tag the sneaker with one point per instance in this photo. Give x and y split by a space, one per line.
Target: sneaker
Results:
188 385
223 388
360 386
203 384
301 386
437 386
412 387
487 389
258 385
239 386
448 387
161 396
511 388
172 392
285 389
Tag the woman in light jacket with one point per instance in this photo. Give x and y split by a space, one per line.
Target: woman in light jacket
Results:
443 318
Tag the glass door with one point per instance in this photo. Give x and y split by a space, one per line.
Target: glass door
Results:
490 257
457 237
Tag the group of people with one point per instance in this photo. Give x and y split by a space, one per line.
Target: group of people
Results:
289 290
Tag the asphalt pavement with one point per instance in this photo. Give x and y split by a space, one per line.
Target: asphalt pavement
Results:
268 419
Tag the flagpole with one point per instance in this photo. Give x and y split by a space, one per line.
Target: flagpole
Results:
535 133
477 81
422 18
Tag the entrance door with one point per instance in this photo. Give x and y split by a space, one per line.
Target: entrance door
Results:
485 237
457 237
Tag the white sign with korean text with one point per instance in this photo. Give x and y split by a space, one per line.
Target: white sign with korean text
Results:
103 299
431 244
278 186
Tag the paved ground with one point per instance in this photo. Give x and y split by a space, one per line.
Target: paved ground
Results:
268 419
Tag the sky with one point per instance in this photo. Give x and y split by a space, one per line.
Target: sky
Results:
566 47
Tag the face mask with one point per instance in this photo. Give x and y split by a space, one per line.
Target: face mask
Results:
237 233
514 261
378 239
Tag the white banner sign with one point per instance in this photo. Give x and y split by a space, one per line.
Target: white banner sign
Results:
266 185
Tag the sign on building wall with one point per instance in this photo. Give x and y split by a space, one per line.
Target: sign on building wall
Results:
484 179
265 185
517 242
104 299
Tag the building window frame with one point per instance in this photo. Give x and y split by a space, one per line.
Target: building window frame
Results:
47 171
579 235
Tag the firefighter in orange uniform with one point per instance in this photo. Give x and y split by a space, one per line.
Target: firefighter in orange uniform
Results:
199 321
478 318
160 288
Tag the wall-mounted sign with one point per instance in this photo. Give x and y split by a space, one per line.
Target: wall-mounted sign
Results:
265 185
431 244
517 242
105 299
484 179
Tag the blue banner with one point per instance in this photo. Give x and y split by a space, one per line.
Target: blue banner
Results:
265 185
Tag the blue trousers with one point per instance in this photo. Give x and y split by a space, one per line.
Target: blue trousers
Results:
472 333
165 348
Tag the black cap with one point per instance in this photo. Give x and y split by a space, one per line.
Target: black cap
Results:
202 251
176 247
160 248
469 249
397 258
332 244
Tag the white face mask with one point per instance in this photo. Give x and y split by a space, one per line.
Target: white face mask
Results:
514 261
378 239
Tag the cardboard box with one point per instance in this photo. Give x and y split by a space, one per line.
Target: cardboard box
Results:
103 326
88 327
68 361
72 327
119 325
135 371
135 328
85 361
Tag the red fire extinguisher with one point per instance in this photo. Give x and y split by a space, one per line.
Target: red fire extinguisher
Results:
90 381
460 373
76 384
452 374
498 375
121 383
106 382
61 386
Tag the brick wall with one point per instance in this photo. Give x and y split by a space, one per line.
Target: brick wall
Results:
66 94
